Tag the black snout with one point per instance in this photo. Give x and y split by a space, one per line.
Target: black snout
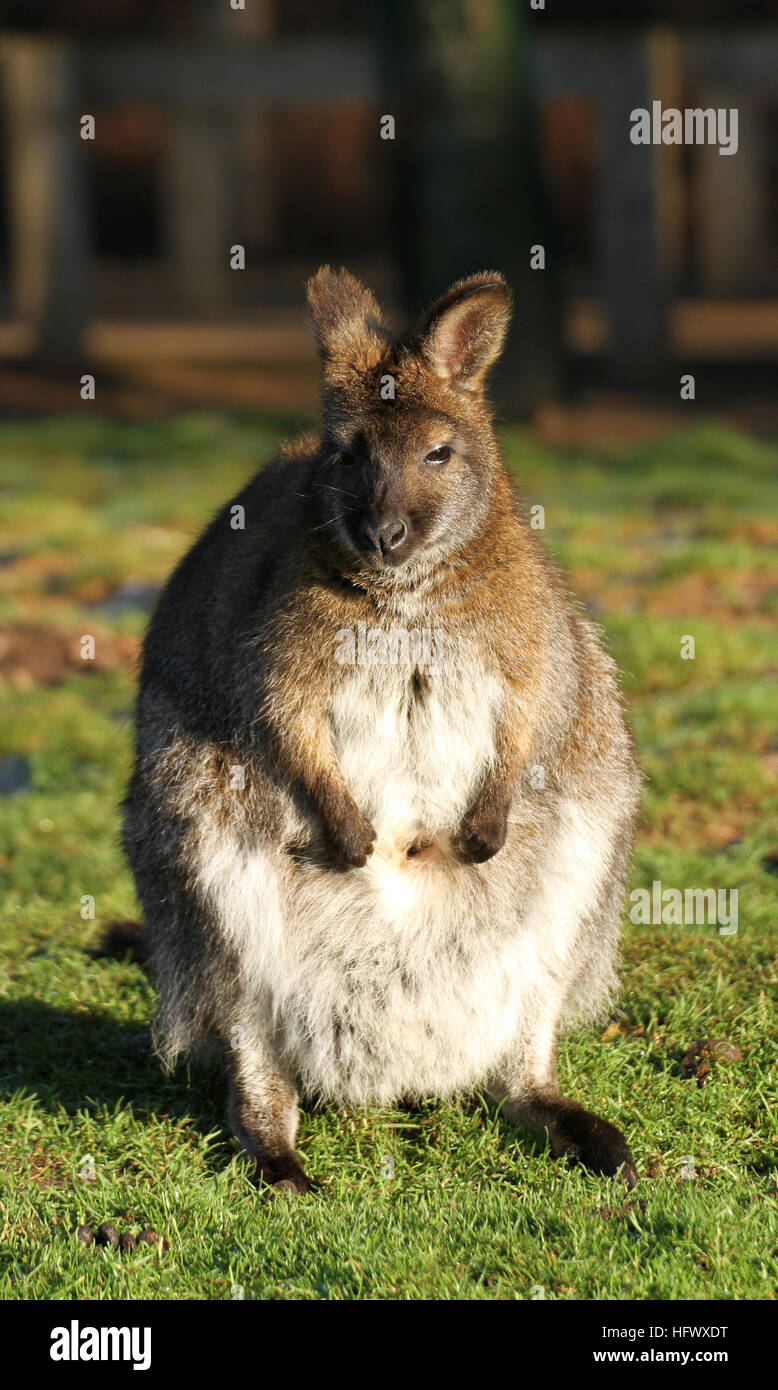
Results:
384 536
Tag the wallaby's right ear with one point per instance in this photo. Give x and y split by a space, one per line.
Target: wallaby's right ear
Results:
346 321
463 333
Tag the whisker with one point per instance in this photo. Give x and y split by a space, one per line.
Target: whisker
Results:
341 490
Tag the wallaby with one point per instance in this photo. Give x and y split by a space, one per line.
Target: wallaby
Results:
383 802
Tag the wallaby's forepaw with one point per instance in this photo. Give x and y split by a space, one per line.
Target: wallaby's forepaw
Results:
481 833
351 838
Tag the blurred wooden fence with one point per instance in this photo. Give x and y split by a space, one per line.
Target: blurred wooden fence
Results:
49 83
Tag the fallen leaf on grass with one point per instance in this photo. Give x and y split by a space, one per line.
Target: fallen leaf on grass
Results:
617 1029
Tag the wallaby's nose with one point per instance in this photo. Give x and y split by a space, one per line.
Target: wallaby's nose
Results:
392 534
386 536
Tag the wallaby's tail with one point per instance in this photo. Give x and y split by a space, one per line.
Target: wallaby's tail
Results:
126 938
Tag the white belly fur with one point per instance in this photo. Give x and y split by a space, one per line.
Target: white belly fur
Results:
407 977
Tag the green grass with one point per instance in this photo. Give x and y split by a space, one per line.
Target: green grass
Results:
667 540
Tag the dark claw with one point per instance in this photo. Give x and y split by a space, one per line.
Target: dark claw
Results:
630 1174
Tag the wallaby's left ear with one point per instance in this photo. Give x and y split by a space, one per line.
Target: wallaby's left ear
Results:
463 333
346 322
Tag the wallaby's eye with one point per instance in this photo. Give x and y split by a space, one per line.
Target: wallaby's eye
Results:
440 455
341 459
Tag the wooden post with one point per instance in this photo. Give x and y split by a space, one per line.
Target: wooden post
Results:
667 85
467 189
47 195
732 219
627 221
196 194
259 201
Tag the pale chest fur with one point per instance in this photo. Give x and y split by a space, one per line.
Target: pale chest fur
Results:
414 742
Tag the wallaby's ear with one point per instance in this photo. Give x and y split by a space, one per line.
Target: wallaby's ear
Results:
463 333
346 321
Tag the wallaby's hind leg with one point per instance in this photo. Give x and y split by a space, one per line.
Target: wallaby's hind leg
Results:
263 1113
528 1091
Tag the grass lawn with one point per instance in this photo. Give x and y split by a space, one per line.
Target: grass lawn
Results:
664 541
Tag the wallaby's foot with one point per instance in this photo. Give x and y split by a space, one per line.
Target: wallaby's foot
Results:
592 1141
284 1175
577 1133
126 938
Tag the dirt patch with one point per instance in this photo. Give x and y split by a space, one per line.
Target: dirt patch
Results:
686 820
761 532
740 595
33 655
726 599
44 1170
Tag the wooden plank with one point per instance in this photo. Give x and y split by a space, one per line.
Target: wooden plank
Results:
279 73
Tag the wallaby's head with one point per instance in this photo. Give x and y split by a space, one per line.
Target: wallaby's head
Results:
408 453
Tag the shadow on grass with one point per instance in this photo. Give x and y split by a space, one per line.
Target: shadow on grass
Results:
87 1061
